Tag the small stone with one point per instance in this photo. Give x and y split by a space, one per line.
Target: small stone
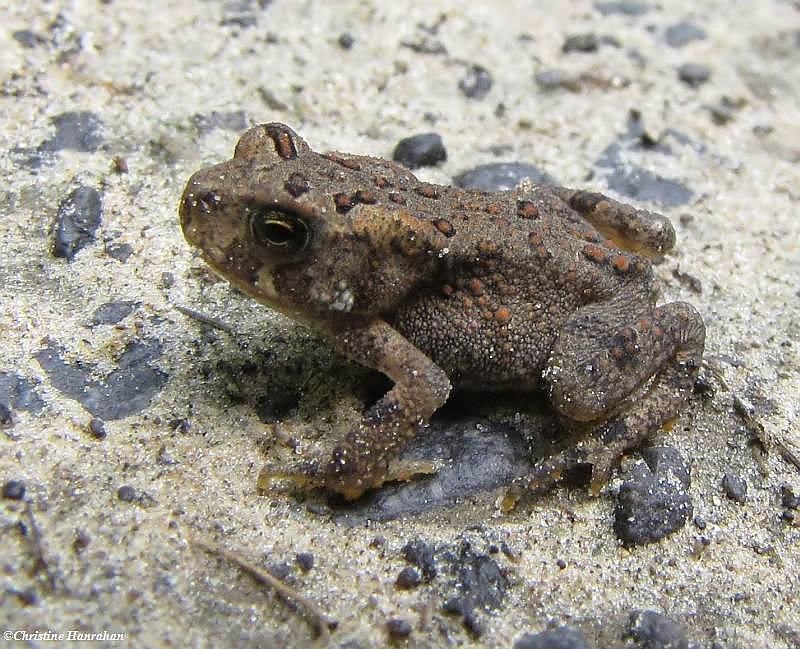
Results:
655 631
304 560
280 570
79 216
501 176
694 74
421 555
407 579
473 624
398 629
27 38
81 541
14 490
346 41
724 111
588 42
654 501
119 251
423 150
789 498
75 131
126 493
97 428
17 393
666 461
735 487
167 280
477 83
682 33
563 637
624 7
641 184
6 416
235 120
113 312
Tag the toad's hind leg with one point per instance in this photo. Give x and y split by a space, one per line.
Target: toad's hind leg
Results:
624 391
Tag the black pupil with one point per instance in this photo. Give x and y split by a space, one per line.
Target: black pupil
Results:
279 230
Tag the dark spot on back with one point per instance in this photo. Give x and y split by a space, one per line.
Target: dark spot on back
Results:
296 184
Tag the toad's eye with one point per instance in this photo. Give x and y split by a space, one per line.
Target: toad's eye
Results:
279 230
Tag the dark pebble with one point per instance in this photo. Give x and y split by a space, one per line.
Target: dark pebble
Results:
682 33
97 428
588 42
655 631
735 487
75 131
304 560
421 555
700 523
789 498
423 150
408 578
17 393
695 74
665 461
167 280
346 41
724 111
398 629
501 176
81 540
625 7
79 216
14 490
122 392
27 38
472 624
126 493
235 120
477 83
119 251
641 184
113 312
563 637
6 417
653 502
27 596
280 570
479 584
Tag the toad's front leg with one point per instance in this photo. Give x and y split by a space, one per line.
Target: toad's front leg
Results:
363 459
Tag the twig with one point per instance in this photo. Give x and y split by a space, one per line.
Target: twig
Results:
321 622
40 562
205 319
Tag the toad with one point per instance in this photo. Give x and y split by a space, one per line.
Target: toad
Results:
542 288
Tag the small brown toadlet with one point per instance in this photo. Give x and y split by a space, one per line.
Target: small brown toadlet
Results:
543 288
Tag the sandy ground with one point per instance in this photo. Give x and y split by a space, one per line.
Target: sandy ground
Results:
100 541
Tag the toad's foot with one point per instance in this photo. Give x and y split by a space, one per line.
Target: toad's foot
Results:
309 475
